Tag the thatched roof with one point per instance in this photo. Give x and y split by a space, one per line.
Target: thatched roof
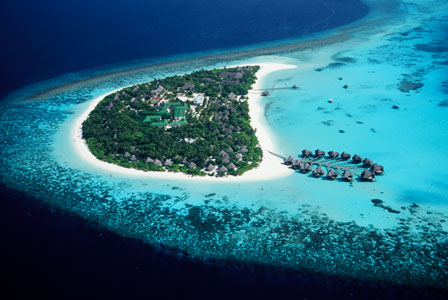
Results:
289 160
210 168
238 156
133 158
332 174
244 149
367 162
127 154
233 75
149 160
319 153
357 159
229 149
188 86
192 165
367 175
333 154
345 155
168 162
231 166
157 162
377 169
318 171
222 169
306 167
223 153
347 176
306 153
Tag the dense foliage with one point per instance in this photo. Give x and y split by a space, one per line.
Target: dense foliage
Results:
215 133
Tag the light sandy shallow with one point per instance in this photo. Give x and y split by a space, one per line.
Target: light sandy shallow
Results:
270 167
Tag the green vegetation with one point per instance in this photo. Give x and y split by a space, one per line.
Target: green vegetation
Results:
196 123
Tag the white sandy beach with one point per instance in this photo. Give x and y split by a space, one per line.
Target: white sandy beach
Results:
270 167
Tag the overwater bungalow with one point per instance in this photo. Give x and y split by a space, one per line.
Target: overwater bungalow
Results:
319 153
306 167
297 164
357 159
377 169
306 153
367 175
318 172
332 174
333 154
265 93
367 162
345 156
347 176
289 160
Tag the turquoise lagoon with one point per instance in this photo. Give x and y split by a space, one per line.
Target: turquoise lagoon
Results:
295 222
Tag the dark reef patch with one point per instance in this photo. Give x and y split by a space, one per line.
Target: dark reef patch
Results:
443 63
379 203
443 103
434 47
406 86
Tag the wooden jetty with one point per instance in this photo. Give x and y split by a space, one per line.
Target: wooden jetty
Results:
335 164
266 92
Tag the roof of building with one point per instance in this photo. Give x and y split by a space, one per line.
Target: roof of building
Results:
188 86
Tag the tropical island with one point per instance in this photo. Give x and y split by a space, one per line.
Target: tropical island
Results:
196 123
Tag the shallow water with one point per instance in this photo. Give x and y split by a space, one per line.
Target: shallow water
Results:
296 222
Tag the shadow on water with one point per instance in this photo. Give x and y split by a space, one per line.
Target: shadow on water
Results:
50 253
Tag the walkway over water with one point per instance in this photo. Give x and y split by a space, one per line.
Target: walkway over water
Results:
335 165
278 88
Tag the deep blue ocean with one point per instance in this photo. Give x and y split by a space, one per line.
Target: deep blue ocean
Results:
44 39
48 253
